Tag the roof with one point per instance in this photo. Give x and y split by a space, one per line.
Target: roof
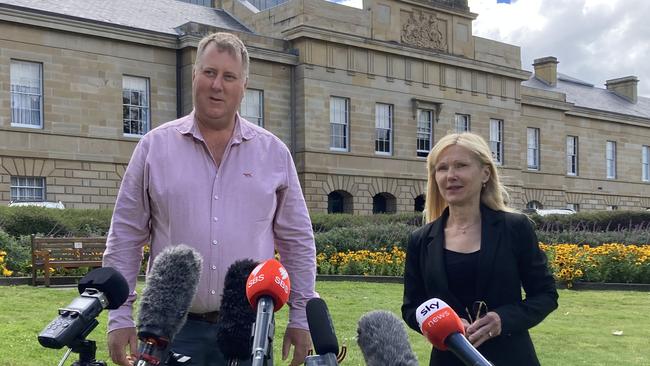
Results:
160 16
584 94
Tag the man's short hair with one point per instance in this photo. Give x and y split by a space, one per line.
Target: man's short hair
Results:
224 41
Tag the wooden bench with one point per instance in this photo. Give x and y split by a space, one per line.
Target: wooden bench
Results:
49 253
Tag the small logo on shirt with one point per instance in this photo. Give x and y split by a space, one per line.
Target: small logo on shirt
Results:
249 175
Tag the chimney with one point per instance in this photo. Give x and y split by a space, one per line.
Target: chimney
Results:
546 70
624 87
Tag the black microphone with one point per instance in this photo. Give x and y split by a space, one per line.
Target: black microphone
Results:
383 340
169 291
236 317
99 289
322 334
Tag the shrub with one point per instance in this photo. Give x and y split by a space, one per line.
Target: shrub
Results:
370 237
18 253
595 221
322 222
18 221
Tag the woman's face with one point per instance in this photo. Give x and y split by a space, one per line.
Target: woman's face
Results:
460 176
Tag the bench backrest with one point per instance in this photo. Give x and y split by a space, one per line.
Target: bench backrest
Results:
70 249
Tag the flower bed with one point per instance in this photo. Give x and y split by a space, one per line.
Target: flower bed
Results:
610 263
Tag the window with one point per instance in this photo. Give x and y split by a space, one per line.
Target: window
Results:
610 156
26 94
462 123
339 122
534 205
572 155
533 148
425 121
573 206
27 189
496 140
383 128
135 105
645 163
612 207
252 106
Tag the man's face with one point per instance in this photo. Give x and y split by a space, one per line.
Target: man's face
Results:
218 85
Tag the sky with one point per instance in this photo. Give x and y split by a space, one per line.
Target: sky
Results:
594 40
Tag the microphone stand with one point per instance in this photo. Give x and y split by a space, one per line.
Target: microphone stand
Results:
85 348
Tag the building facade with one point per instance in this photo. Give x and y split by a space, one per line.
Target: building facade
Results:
359 96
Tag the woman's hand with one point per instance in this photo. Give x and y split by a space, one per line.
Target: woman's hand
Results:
486 327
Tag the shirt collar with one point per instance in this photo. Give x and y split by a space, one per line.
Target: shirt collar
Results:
243 130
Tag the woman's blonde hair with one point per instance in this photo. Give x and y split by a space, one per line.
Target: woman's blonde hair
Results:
493 195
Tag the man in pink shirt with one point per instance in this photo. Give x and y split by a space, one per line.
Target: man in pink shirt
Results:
226 187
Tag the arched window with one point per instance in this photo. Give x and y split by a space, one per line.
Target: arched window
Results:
535 205
384 203
339 202
419 203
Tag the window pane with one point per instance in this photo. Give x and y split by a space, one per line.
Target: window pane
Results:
26 93
383 125
27 189
338 123
135 105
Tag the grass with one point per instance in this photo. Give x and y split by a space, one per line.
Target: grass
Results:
580 332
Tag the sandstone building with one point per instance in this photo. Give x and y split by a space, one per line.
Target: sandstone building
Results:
359 96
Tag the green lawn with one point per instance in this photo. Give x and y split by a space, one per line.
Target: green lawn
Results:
580 332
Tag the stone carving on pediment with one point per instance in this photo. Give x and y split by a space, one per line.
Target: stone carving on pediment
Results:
424 31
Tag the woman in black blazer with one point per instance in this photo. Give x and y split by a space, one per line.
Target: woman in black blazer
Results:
476 254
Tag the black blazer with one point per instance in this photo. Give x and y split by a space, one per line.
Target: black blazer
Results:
510 259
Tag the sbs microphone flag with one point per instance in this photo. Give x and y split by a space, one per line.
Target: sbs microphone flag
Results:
236 317
267 290
169 290
444 329
383 340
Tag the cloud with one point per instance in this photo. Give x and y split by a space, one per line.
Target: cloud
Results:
594 40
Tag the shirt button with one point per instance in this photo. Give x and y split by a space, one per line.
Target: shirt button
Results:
214 267
214 242
213 292
216 197
215 219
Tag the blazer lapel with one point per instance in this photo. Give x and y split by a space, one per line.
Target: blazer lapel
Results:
436 274
490 241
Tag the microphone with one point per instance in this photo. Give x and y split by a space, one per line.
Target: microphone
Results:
236 317
99 289
169 291
267 290
444 329
322 334
383 340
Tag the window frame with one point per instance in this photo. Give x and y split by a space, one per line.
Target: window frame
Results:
13 93
389 142
147 108
610 159
422 153
18 187
258 120
498 159
345 125
534 150
572 157
467 122
645 163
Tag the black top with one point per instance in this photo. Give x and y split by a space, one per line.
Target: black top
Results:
461 270
510 259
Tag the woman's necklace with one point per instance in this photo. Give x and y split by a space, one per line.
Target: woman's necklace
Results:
463 230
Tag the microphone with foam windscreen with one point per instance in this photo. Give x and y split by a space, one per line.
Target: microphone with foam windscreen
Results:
323 336
99 289
236 317
444 329
267 290
169 291
383 340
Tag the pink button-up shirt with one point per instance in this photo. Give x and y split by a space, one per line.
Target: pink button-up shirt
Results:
173 193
